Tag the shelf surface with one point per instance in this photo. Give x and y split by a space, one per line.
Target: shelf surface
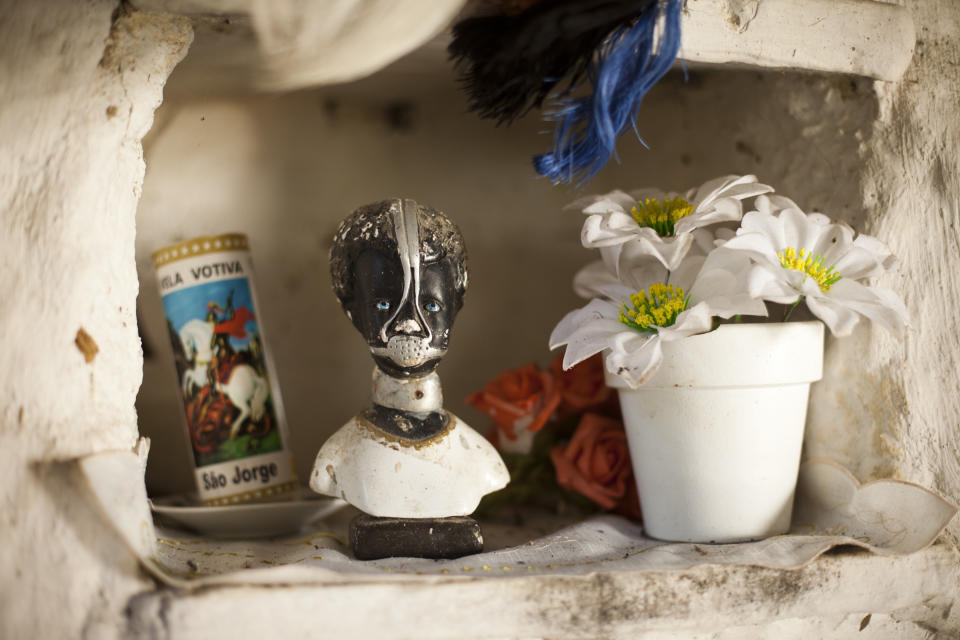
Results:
597 577
830 598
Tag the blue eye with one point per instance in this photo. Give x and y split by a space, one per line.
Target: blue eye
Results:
383 305
432 306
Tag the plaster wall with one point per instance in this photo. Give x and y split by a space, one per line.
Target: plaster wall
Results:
78 87
887 408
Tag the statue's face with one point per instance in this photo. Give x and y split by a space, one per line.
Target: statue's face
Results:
406 321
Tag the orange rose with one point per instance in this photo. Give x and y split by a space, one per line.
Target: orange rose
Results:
520 401
596 463
582 387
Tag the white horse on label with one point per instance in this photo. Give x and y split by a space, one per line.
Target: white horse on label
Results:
195 336
248 392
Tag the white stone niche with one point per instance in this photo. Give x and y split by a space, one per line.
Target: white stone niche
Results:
828 101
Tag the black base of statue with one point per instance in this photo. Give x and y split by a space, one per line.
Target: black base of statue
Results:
372 538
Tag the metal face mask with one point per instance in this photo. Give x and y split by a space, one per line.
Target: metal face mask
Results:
405 302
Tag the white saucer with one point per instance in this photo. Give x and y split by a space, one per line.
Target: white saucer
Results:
253 520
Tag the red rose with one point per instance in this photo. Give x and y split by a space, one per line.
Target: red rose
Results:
596 463
582 387
520 401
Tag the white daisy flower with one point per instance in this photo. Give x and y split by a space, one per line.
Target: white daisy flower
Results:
661 224
631 324
807 256
637 271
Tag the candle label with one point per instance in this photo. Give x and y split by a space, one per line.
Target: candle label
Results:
233 413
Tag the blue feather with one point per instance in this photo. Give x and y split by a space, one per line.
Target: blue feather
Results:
626 67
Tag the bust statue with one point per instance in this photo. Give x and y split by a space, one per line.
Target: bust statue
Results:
416 470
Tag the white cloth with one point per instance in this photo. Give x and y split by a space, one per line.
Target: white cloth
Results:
306 43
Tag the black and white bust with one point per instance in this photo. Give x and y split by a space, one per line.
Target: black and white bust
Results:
399 271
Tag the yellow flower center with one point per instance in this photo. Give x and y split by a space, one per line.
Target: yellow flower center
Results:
810 264
658 306
661 215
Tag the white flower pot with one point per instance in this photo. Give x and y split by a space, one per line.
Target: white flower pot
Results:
715 435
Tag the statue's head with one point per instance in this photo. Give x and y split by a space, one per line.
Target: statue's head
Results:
399 270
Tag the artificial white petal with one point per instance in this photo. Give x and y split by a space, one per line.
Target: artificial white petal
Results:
591 279
589 339
772 204
766 225
831 241
738 187
615 201
670 252
857 264
743 190
594 284
587 201
697 319
726 210
799 231
806 286
704 240
881 306
840 318
710 189
820 219
608 228
596 309
756 244
610 256
635 358
615 293
639 271
878 249
719 236
766 282
723 284
685 275
867 258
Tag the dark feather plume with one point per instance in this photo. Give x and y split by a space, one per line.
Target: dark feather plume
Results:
508 64
625 68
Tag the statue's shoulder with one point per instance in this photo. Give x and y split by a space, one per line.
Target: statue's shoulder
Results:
478 452
336 453
381 475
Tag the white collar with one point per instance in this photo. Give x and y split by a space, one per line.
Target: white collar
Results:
417 395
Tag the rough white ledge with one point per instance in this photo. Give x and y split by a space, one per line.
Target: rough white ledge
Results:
861 37
907 596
